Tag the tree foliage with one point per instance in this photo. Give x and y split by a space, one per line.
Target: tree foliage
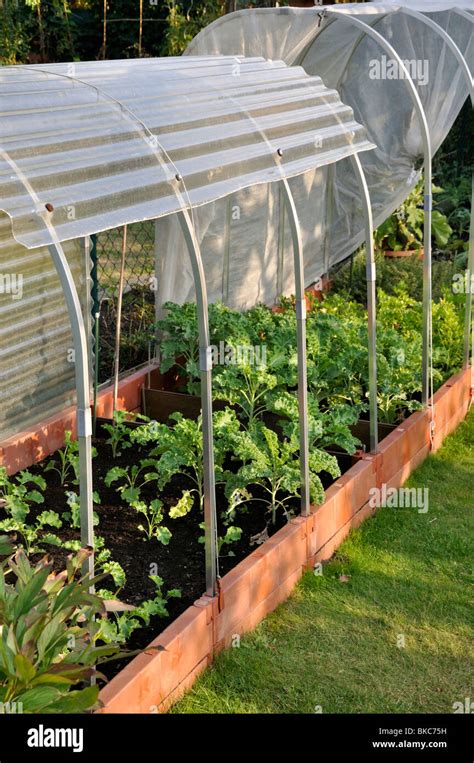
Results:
37 31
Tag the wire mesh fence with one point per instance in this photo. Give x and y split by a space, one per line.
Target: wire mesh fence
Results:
139 258
138 312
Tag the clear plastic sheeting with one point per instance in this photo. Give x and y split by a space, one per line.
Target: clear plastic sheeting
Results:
324 43
36 345
246 246
85 147
426 6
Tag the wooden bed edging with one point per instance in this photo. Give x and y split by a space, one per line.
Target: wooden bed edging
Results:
154 680
41 440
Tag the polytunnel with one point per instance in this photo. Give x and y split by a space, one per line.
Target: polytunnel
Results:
406 70
85 147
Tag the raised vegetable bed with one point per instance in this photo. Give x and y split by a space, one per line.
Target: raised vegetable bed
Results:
154 680
149 479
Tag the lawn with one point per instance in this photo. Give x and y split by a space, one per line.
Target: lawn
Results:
387 627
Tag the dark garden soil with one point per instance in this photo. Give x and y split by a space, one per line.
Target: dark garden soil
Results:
180 564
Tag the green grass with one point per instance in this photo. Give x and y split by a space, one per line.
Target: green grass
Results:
333 645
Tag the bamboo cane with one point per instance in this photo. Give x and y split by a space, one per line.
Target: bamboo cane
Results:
119 319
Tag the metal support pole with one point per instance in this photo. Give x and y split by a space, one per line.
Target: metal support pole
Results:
94 275
118 323
425 135
89 301
205 365
301 340
448 40
83 411
282 204
226 258
371 302
81 364
95 312
426 390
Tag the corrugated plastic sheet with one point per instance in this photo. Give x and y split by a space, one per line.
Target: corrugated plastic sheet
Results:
86 147
36 368
103 143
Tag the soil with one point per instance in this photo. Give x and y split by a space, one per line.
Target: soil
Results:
180 564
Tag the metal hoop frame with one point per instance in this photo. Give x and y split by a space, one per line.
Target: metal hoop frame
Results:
84 428
368 29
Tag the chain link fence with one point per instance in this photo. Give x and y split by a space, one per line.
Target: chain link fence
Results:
138 307
139 260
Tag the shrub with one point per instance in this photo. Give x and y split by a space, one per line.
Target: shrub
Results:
48 635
